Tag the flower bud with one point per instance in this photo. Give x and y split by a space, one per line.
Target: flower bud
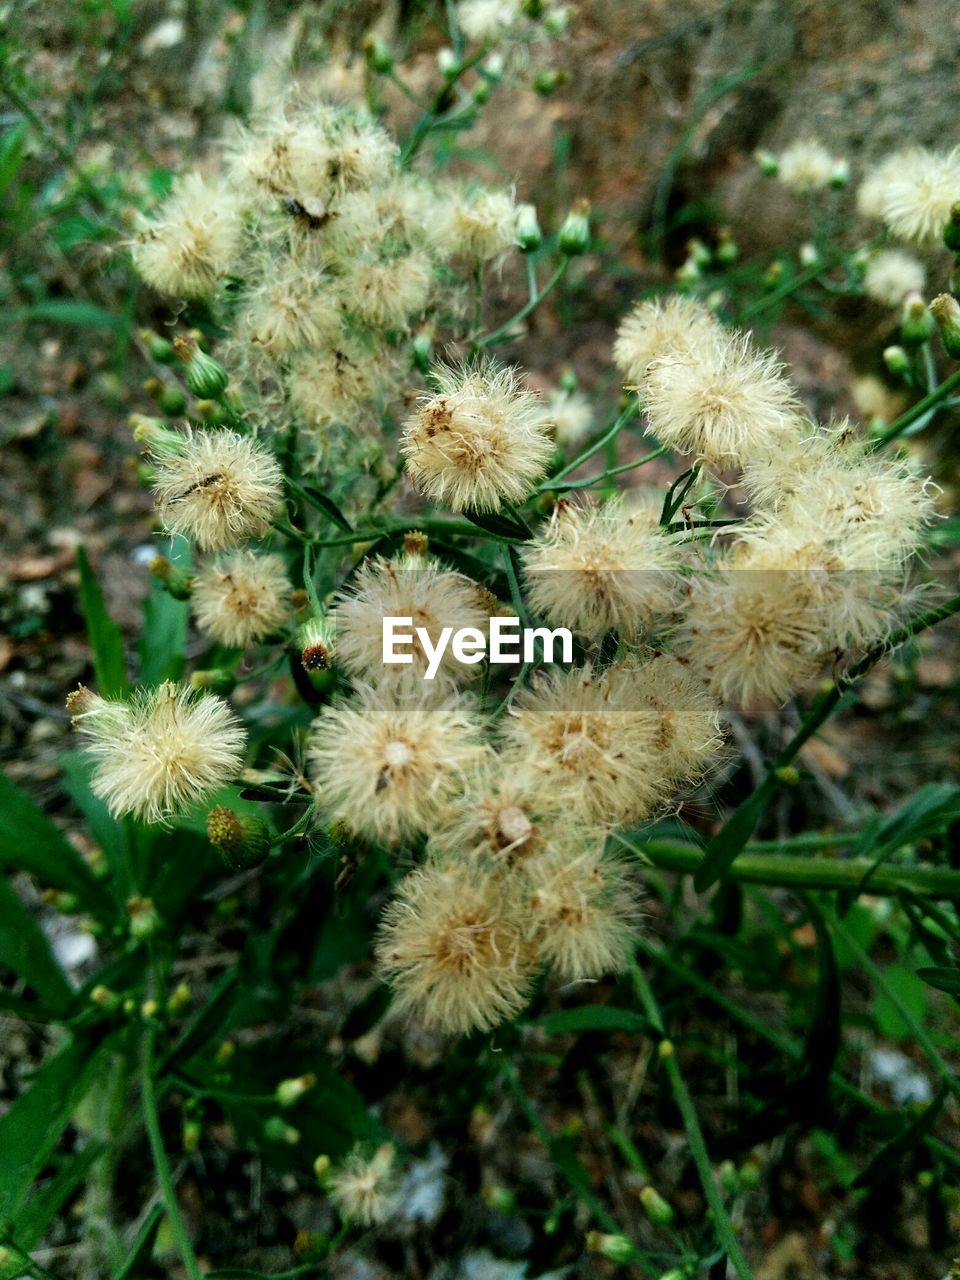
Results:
665 1049
104 998
205 377
698 252
728 1178
727 250
749 1174
532 9
557 21
449 64
808 255
951 232
688 272
153 435
421 351
242 838
191 1134
67 904
225 1053
946 311
897 361
492 68
176 581
548 80
321 1167
171 400
149 1009
316 641
574 234
481 92
415 543
499 1198
212 412
276 1129
214 680
773 276
768 162
290 1091
529 235
615 1248
145 919
160 349
180 997
788 775
655 1207
840 175
917 325
379 57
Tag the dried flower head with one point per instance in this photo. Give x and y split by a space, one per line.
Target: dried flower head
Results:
407 755
583 913
807 166
659 328
872 191
366 1188
492 818
241 598
161 751
193 240
584 746
688 732
337 385
487 21
919 192
602 568
415 587
475 225
290 308
891 274
386 294
453 945
477 441
570 415
216 487
721 403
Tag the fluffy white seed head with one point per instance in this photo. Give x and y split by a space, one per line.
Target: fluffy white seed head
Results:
722 403
919 192
477 441
193 240
365 1188
241 598
453 945
807 166
407 755
387 295
659 328
289 309
891 274
475 225
340 384
159 753
216 487
570 414
487 21
602 568
421 589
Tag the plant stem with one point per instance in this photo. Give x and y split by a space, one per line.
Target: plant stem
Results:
698 1148
929 401
611 434
586 483
161 1163
533 301
785 872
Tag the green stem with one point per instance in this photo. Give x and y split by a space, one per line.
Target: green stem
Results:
610 434
785 872
565 485
160 1161
918 410
532 302
698 1148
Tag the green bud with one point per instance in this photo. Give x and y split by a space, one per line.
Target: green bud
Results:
212 412
946 312
180 997
808 255
951 232
688 273
773 276
768 162
154 435
728 1178
276 1129
897 361
615 1248
492 68
191 1135
727 250
104 998
379 57
749 1174
548 80
532 9
557 21
481 93
321 1167
172 400
449 64
421 351
840 177
145 919
214 680
290 1091
788 775
316 641
175 581
499 1198
574 234
698 252
206 378
917 325
160 349
655 1207
242 838
529 235
568 380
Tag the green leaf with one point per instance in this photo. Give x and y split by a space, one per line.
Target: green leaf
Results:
82 315
329 508
206 1022
733 835
500 526
164 638
142 1249
910 989
29 841
930 811
593 1017
31 1128
41 1209
25 950
12 153
944 979
106 639
890 1158
109 832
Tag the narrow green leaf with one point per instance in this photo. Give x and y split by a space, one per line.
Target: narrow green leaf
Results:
207 1022
943 979
163 642
26 952
142 1248
82 315
593 1017
327 505
29 841
31 1128
889 1159
12 153
41 1209
500 526
736 831
106 639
